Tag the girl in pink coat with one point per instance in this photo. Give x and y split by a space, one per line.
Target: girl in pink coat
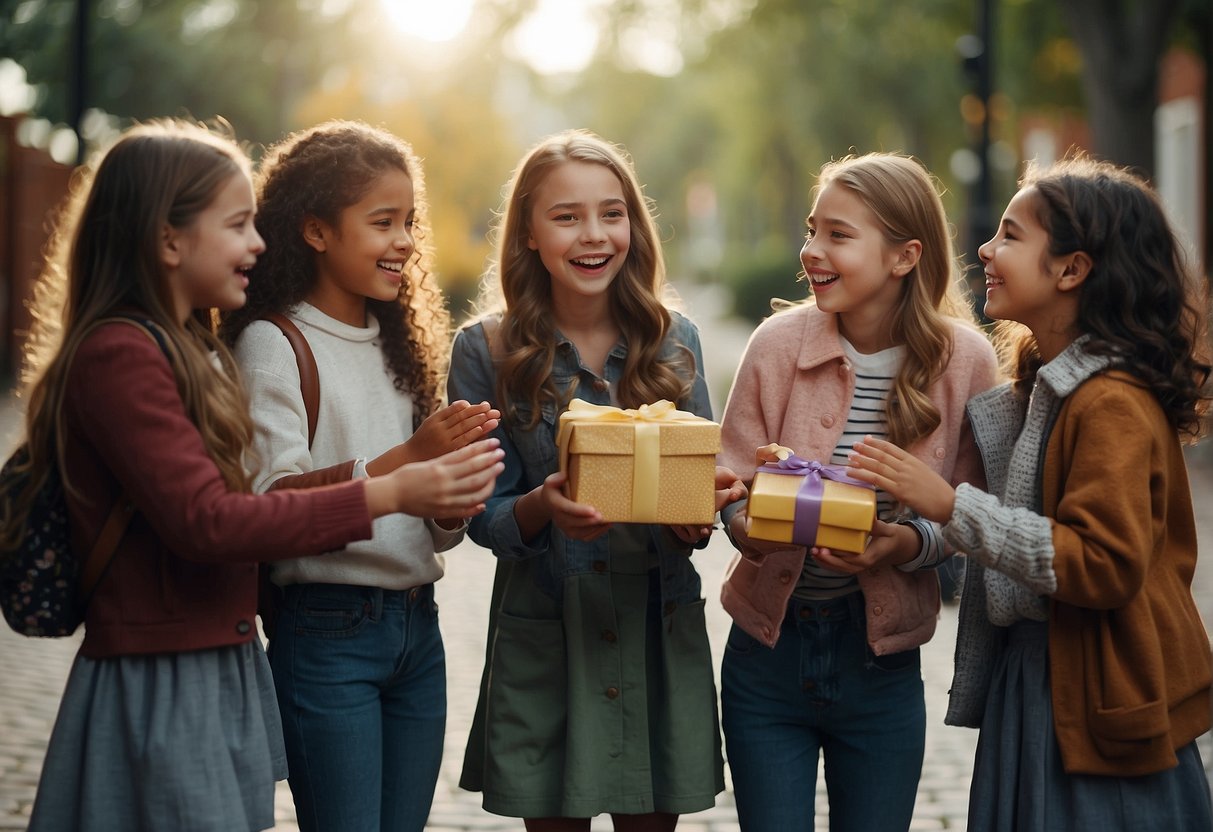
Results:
823 655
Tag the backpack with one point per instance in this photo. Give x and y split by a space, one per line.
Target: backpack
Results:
268 593
45 585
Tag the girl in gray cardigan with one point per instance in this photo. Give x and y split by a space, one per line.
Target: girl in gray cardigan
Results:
1080 652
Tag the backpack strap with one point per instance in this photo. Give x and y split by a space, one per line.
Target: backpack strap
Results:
106 545
309 375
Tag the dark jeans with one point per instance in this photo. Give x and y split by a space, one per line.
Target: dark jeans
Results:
361 679
822 691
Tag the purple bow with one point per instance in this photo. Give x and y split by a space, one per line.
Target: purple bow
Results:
808 498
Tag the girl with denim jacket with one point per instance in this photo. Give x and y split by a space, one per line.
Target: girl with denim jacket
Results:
823 657
1080 653
598 694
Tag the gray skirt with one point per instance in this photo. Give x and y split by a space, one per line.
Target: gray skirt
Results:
1019 784
182 741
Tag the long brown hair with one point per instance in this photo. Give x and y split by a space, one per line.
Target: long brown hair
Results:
905 200
320 172
1142 304
519 282
103 256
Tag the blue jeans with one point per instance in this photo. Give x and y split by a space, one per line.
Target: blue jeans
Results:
361 679
822 691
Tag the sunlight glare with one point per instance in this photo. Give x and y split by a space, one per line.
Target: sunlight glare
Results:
432 20
559 36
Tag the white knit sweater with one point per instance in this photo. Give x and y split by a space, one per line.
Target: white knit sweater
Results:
361 416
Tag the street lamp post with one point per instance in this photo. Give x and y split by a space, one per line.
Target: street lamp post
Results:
78 97
977 54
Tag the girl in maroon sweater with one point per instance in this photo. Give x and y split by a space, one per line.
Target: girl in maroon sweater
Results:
169 718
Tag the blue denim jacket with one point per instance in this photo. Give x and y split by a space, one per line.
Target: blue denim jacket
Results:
531 456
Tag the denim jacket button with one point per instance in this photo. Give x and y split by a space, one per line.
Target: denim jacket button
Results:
599 566
609 636
601 385
612 693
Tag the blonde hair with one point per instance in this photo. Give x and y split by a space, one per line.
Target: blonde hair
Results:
905 199
519 285
103 255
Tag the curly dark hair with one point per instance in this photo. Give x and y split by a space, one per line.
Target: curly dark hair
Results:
1141 304
320 172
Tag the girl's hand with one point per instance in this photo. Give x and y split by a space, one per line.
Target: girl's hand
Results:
729 489
752 548
451 428
454 485
893 543
577 520
905 478
767 453
455 426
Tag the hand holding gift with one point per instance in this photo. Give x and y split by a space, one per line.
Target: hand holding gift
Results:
729 489
576 520
804 502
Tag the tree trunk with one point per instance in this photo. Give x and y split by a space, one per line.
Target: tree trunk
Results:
1121 42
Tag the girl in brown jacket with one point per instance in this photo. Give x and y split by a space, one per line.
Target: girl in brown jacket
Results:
1080 653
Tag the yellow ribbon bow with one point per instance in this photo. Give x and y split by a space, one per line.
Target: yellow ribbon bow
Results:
648 419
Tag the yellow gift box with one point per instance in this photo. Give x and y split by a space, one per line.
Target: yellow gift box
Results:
810 504
654 464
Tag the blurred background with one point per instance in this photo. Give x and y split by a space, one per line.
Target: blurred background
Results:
729 107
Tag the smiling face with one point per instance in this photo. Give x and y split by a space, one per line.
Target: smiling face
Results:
851 268
1020 284
363 256
580 228
208 259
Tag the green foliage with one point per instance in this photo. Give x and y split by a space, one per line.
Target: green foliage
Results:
770 90
244 60
762 274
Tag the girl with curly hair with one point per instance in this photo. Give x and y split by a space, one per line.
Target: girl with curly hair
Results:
356 652
169 719
1080 652
598 694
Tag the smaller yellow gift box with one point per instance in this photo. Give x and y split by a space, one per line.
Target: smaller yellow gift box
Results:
654 464
810 504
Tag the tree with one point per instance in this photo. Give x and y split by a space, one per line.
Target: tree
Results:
1121 44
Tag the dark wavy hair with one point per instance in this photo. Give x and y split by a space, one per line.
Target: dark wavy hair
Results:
519 286
320 172
1141 304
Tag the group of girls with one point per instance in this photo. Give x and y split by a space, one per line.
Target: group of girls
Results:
1081 655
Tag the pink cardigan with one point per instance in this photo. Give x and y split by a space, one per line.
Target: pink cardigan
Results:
794 387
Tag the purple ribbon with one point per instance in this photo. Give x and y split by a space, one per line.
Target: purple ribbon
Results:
807 515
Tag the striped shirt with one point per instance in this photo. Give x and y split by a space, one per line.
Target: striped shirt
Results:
874 376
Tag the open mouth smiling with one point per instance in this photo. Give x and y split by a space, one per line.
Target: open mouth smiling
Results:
595 262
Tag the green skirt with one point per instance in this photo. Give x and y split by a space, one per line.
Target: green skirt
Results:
607 704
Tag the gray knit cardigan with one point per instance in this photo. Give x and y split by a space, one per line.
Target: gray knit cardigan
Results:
1008 543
